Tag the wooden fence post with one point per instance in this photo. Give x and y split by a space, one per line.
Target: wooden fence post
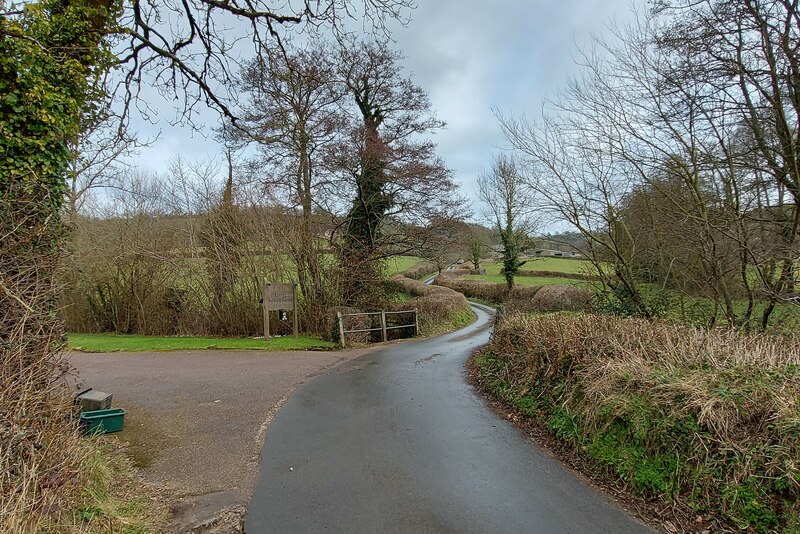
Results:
416 322
341 328
383 325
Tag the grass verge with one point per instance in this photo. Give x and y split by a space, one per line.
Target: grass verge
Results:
112 498
136 343
706 424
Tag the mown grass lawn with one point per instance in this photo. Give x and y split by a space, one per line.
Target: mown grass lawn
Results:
135 343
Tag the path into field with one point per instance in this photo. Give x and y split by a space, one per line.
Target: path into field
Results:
196 419
397 441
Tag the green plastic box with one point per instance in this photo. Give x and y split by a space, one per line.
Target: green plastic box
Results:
103 421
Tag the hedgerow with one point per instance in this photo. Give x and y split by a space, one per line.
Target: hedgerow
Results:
706 421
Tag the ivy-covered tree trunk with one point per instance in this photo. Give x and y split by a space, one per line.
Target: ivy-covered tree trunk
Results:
364 220
393 168
48 55
511 261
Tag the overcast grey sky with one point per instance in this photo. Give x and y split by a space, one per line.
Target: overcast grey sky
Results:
471 56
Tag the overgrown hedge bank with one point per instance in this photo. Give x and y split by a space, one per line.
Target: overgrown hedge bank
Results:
557 274
420 271
487 291
705 421
440 309
521 298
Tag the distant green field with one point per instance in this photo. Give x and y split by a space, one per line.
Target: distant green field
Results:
559 265
398 264
529 280
135 343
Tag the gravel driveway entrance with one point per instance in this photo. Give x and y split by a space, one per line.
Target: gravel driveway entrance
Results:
196 419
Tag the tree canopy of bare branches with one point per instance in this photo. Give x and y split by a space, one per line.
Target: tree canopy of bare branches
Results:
682 129
386 160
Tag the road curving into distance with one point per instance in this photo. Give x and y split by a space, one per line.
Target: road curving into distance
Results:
398 441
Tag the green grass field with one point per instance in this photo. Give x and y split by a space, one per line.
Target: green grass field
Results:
560 265
398 264
135 343
528 280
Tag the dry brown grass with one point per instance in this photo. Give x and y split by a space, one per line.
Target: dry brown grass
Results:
562 298
706 420
39 448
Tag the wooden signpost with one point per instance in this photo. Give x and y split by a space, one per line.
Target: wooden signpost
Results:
279 297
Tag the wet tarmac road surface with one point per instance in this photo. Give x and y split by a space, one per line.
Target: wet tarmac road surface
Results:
398 441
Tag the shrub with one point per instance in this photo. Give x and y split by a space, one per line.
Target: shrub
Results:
487 291
421 270
558 274
562 298
440 309
705 420
461 271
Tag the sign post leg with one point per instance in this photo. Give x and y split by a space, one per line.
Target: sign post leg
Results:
294 309
265 299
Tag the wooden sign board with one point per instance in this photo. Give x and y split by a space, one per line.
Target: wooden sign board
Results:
279 297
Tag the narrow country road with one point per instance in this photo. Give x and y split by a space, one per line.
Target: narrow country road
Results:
397 441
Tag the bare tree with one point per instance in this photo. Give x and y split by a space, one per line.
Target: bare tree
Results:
293 111
475 242
509 204
666 111
96 154
745 55
439 243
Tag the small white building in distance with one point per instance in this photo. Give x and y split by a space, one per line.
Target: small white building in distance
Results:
550 253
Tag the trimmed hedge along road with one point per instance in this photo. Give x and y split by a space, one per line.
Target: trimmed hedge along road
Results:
704 421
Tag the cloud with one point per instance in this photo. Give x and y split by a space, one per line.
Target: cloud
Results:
471 56
508 54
